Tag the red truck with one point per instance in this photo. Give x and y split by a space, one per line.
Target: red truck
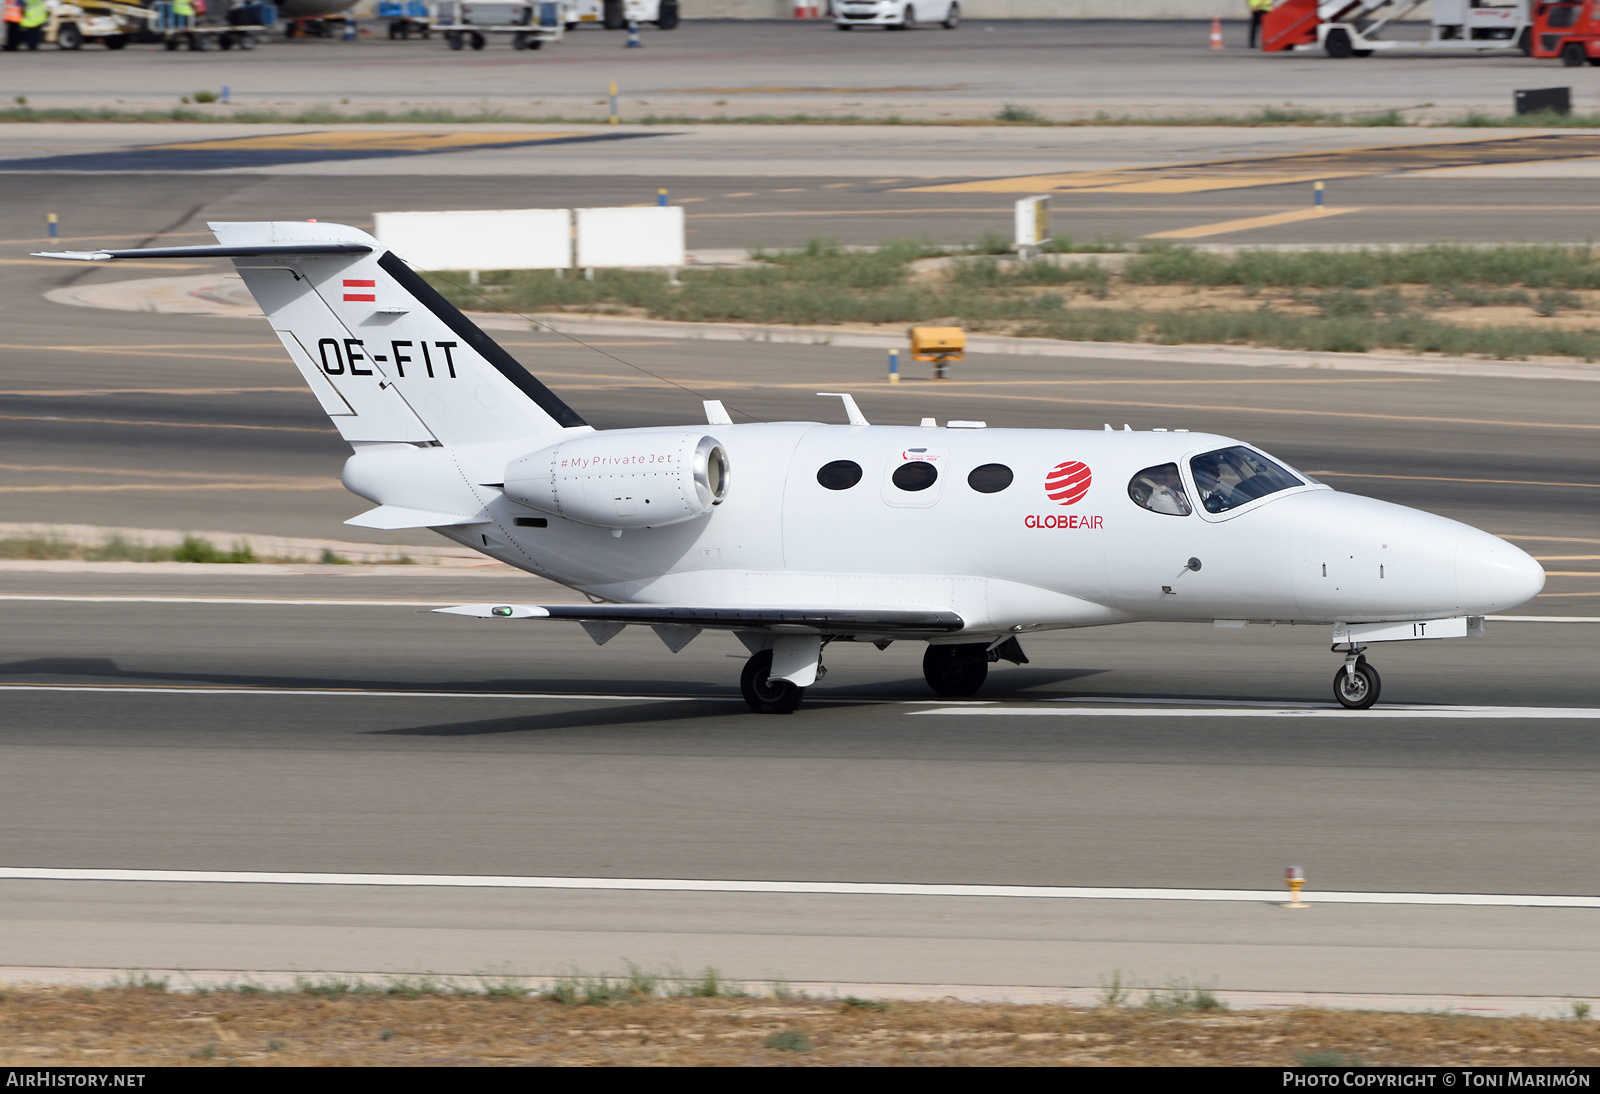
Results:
1569 30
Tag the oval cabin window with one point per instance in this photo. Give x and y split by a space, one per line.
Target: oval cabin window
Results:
991 478
916 475
839 475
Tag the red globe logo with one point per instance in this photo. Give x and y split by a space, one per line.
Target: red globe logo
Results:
1068 482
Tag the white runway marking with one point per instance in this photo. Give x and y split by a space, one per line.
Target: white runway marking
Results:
1269 711
836 888
357 693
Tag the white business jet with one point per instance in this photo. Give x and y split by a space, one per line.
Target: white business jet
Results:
795 535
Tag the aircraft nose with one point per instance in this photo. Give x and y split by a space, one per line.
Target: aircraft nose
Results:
1492 575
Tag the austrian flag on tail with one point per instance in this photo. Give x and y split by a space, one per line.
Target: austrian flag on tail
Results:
1068 482
352 283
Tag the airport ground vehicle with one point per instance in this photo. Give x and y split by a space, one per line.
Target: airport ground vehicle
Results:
895 14
799 535
238 31
1570 31
617 14
467 24
112 24
407 18
1360 28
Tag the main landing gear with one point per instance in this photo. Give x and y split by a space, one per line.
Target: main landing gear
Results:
764 694
1356 685
958 670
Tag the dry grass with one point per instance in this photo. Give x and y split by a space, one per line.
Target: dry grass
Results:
133 1026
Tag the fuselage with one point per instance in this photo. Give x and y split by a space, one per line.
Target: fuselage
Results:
1087 528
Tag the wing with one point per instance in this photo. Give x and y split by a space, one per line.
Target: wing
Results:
900 622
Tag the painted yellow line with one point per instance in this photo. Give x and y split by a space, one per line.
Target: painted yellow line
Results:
1566 558
1545 596
1548 539
1197 179
1444 478
1572 573
347 140
937 390
1200 231
55 468
120 487
163 425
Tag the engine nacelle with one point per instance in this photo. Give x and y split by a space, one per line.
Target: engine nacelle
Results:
623 479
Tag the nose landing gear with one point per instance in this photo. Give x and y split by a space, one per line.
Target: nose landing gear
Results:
1356 685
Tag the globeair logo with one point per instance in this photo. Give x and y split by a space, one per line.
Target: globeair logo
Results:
1068 482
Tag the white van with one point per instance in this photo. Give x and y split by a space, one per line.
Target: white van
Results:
617 14
895 14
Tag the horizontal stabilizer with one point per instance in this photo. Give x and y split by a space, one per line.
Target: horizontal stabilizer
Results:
391 518
801 620
216 250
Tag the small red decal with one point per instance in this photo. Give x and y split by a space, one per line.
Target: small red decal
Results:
1068 482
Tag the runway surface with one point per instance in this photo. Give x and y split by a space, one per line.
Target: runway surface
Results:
268 719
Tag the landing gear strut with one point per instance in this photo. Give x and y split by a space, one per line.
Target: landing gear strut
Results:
764 694
1356 685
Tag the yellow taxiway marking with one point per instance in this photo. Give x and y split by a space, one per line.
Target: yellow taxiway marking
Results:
71 392
351 140
1566 558
40 468
1572 573
940 389
1245 224
109 488
1446 478
1548 539
1206 175
1543 596
162 425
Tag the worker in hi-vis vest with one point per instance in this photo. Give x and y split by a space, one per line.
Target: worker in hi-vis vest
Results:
1258 11
183 12
34 17
13 19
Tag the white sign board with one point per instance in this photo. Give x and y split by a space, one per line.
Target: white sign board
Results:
649 235
486 239
1033 221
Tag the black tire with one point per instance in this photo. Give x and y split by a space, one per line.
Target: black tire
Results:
476 40
1361 53
612 17
1525 41
1338 44
956 671
952 18
519 41
843 26
535 43
172 44
667 15
396 31
244 40
764 694
1573 55
68 36
115 41
453 39
1357 691
225 41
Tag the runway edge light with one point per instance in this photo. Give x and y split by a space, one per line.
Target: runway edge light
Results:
1296 877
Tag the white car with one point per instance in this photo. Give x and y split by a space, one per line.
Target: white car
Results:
895 14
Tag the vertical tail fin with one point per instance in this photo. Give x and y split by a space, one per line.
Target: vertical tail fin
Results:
389 358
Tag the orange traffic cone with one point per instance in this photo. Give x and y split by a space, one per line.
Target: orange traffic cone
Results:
1216 34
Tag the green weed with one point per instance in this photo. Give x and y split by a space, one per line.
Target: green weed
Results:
1025 115
789 1040
1329 1058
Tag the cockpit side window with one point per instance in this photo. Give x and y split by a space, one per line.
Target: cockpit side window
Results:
1160 490
1230 477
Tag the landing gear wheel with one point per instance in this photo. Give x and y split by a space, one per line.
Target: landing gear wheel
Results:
764 694
1338 43
1573 55
1357 690
956 671
952 18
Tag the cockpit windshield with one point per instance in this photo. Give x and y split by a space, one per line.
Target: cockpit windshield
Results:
1230 477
